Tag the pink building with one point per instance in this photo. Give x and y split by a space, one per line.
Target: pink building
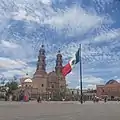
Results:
111 89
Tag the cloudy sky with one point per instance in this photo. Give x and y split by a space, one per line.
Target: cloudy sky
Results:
64 24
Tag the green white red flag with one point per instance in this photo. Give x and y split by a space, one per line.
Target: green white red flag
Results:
68 67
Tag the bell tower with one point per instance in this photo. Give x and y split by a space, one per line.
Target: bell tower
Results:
40 75
58 67
41 65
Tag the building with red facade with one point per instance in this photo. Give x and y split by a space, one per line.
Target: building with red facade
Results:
110 90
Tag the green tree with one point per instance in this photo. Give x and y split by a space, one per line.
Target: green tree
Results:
12 85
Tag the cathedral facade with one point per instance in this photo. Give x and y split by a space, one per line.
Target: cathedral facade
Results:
43 83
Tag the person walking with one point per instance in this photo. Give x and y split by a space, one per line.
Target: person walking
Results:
38 99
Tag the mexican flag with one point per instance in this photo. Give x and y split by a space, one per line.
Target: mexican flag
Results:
68 67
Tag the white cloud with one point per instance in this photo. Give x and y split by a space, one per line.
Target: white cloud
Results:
84 88
48 2
90 86
72 21
7 63
11 73
108 35
89 79
104 69
90 54
115 77
28 10
22 15
76 20
93 54
103 2
16 49
68 82
8 44
87 86
69 50
22 72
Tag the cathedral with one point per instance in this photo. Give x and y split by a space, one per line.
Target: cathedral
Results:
43 83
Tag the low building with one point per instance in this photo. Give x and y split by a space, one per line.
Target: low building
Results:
110 90
87 94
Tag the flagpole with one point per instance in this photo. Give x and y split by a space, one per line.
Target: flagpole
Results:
80 81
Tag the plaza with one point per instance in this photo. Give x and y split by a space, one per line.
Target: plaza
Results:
59 111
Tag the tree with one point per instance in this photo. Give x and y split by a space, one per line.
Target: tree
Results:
2 79
12 85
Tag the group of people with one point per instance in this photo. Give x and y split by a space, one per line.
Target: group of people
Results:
96 99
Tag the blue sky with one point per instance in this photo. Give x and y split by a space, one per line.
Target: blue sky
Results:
64 24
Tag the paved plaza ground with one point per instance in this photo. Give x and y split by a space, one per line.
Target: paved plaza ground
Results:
59 111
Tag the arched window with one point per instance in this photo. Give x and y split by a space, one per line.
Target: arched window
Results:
103 90
52 86
42 85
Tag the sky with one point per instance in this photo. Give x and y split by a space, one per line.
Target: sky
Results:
61 24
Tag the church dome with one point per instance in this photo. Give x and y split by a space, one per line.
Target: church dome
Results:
111 82
28 81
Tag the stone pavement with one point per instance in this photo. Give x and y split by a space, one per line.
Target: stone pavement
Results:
59 111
